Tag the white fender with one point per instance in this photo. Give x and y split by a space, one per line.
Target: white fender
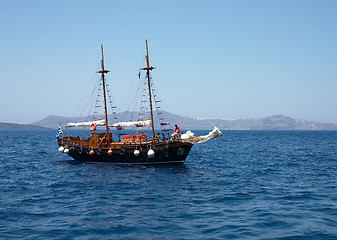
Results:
61 149
150 153
136 153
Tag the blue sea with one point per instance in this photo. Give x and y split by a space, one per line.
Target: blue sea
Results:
243 185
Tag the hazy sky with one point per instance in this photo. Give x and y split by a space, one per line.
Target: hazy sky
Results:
218 59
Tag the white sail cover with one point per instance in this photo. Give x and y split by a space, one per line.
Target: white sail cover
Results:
139 123
99 122
189 136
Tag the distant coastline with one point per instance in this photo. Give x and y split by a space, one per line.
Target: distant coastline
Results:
275 122
9 126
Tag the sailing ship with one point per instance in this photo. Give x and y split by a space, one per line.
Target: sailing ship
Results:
137 148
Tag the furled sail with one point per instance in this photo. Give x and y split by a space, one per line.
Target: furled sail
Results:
189 136
139 123
99 122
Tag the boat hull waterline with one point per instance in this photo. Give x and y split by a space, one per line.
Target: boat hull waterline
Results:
164 153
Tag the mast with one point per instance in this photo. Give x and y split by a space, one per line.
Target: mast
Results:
103 72
148 69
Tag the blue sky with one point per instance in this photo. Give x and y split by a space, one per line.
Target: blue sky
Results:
217 59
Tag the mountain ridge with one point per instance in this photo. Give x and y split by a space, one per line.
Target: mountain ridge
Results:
274 122
8 126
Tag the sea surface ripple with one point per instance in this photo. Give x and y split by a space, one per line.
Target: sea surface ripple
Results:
244 185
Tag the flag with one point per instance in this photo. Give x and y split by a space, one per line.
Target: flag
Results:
59 131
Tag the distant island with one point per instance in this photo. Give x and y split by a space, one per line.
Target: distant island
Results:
276 122
8 126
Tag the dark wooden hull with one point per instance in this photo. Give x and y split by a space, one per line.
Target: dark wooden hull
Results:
174 152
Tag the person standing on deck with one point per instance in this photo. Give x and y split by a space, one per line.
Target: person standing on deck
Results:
158 137
176 132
